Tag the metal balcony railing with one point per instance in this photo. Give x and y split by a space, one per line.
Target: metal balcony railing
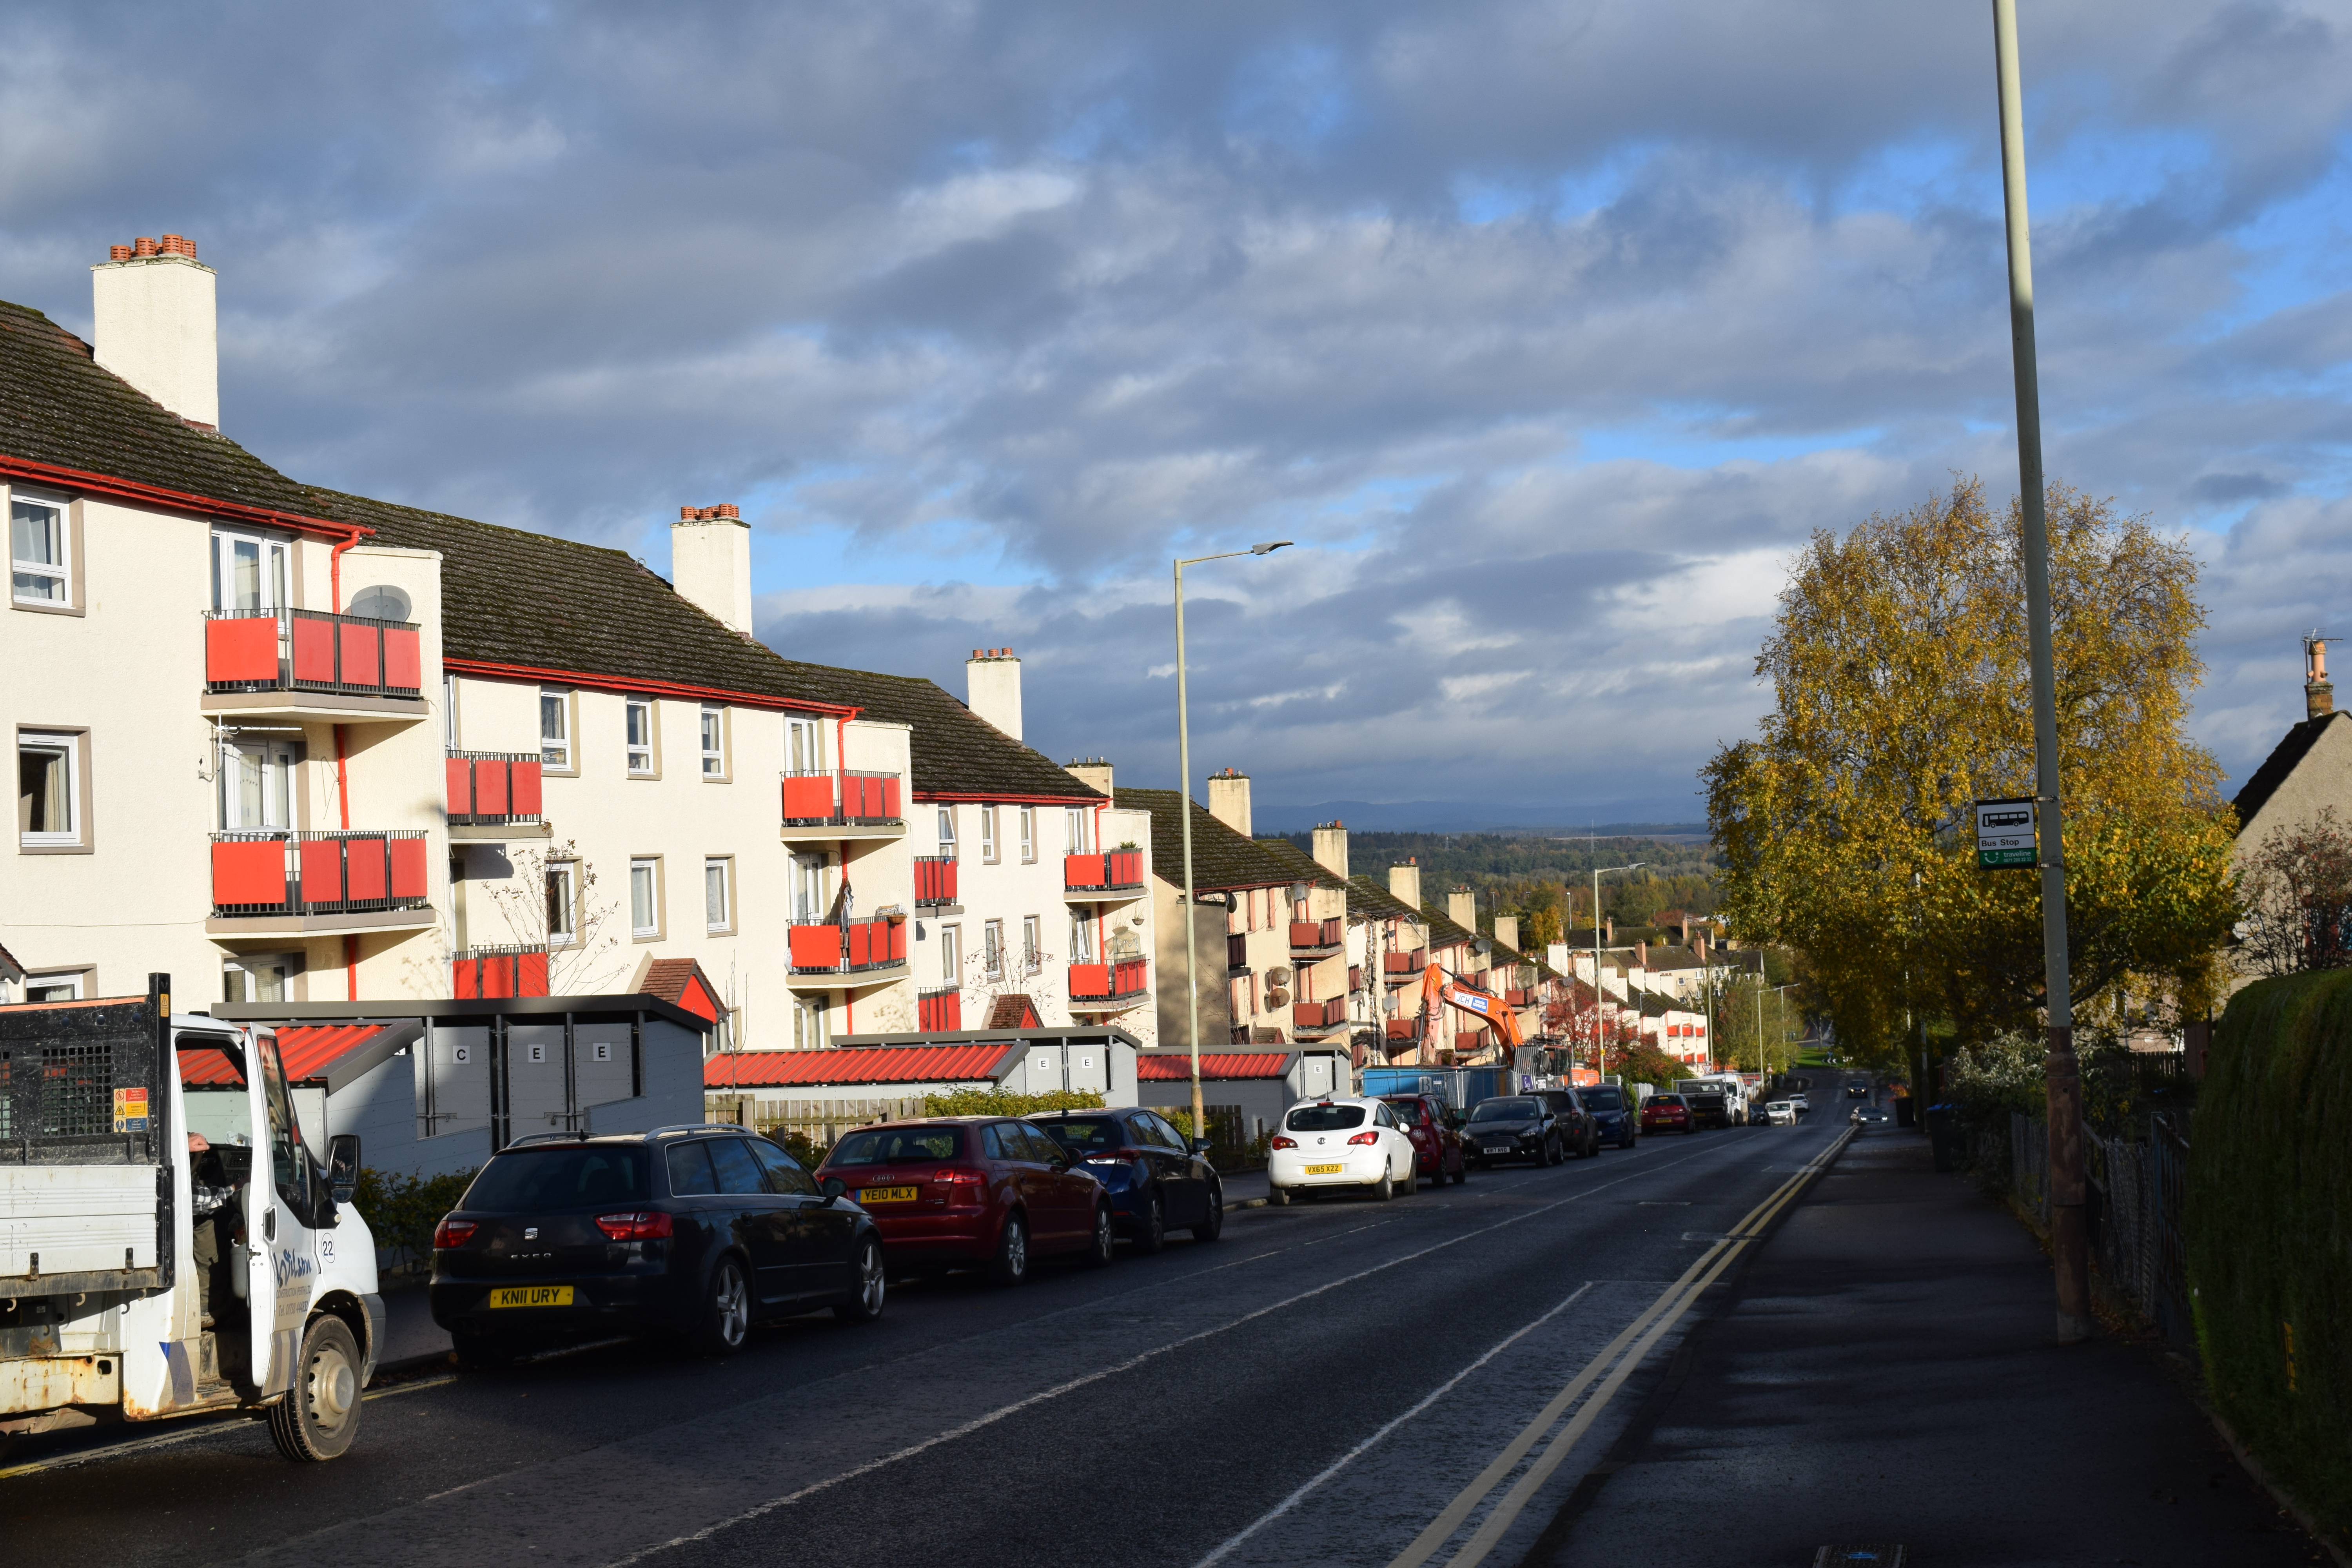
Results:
844 797
935 879
1122 980
1112 871
848 946
493 788
486 972
268 871
312 650
1413 963
938 1009
1319 1014
1318 936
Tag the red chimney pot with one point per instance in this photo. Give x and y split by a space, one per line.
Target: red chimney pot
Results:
143 246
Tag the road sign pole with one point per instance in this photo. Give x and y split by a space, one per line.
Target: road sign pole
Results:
2069 1231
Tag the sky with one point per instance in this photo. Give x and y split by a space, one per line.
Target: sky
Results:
1548 333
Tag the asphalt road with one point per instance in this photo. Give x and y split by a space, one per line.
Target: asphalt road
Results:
1344 1381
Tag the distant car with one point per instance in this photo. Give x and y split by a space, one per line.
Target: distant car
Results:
1779 1113
691 1233
1801 1102
1856 1090
973 1190
1155 1183
1613 1117
1436 1145
1711 1109
1579 1135
1511 1127
1666 1113
1341 1142
1867 1116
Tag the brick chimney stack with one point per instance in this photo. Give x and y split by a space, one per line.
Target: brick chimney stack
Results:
2318 691
157 326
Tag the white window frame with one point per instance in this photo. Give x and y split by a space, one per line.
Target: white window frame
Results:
275 565
988 835
448 711
1028 835
562 888
991 949
947 830
59 571
1033 944
809 877
242 964
811 1028
724 865
803 744
74 983
67 744
713 734
951 956
1082 937
1078 829
278 761
643 757
650 866
559 753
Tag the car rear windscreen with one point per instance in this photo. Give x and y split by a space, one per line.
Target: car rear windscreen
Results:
526 1180
1325 1118
1407 1112
1085 1132
1603 1099
898 1146
1505 1110
1664 1099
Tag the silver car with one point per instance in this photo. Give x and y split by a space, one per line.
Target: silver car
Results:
1779 1113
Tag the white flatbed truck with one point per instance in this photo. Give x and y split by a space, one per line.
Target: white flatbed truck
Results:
168 1245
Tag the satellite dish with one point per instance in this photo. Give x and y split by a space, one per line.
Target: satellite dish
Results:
1279 974
380 603
1278 997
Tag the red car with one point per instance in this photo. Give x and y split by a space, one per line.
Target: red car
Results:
985 1190
1666 1113
1436 1147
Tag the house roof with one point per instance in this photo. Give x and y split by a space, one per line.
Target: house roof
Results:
1220 1065
1221 859
1304 867
2284 758
865 1064
9 968
681 982
1014 1011
1370 897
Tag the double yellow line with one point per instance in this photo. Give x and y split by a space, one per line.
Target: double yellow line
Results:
1642 1334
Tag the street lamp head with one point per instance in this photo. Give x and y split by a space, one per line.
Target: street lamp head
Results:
1269 547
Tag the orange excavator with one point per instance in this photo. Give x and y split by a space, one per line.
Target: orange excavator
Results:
1437 986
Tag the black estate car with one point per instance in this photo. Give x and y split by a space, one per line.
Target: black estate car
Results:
691 1233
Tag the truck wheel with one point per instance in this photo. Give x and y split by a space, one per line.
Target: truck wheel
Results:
318 1417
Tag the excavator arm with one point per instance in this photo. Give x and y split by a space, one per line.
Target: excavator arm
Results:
1437 986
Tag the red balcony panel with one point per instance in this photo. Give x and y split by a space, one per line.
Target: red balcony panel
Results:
408 868
367 871
935 879
1082 870
314 649
458 774
898 941
940 1012
530 974
404 656
489 788
890 798
523 780
861 944
816 947
1124 867
321 861
497 974
1090 980
1306 933
249 872
465 978
241 650
361 654
1466 1041
809 798
1130 975
1355 977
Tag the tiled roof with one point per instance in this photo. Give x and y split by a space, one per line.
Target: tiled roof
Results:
1304 867
868 1063
681 982
1370 897
1221 859
1013 1011
2293 747
305 1052
1166 1069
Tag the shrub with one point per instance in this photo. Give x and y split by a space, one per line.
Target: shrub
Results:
402 1211
998 1102
2270 1243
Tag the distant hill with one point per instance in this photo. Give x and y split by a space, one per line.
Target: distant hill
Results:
1613 819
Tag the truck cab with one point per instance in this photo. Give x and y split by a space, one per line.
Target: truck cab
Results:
170 1244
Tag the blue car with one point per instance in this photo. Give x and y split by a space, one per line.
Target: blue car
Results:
1155 1182
1613 1118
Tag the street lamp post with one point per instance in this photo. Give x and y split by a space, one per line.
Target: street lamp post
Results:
1184 813
1599 1059
1764 1062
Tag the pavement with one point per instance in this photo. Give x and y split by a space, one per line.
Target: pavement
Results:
1885 1372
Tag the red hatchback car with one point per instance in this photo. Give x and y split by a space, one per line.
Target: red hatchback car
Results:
965 1190
1436 1147
1666 1113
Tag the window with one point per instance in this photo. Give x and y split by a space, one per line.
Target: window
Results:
257 784
1078 829
641 736
717 893
804 745
714 743
56 987
36 551
259 976
951 956
564 902
809 1032
249 572
947 830
1033 956
988 834
449 711
991 949
808 888
48 790
1028 835
644 896
1082 938
555 730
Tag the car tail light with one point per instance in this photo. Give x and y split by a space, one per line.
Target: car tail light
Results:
452 1232
648 1225
1365 1138
956 1176
1282 1143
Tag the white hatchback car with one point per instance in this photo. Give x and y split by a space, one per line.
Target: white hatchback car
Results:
1779 1113
1340 1142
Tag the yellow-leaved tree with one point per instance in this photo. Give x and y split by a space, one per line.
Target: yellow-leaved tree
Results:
1898 667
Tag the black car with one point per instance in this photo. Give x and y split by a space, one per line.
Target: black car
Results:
1579 1134
1156 1181
1511 1127
1613 1118
1709 1109
690 1233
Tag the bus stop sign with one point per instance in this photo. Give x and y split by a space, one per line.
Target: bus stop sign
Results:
2005 833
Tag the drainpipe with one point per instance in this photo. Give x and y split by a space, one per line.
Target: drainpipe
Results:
342 771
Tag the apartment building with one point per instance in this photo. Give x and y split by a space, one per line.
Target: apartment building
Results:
1329 1002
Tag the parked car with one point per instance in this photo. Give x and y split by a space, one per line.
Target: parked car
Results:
1779 1113
1613 1118
991 1191
1666 1113
1711 1109
1579 1135
1155 1181
1341 1142
1436 1140
1799 1101
1511 1127
691 1233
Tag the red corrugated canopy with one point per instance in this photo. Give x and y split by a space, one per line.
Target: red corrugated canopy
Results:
876 1064
306 1051
1221 1065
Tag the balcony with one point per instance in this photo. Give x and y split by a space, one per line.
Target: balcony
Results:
273 883
1110 987
935 881
297 664
1319 1016
494 797
939 1010
1403 964
1519 997
487 971
1318 939
1237 953
848 955
834 806
1112 875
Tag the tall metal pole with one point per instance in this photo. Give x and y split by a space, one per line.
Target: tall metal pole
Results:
2069 1234
1185 811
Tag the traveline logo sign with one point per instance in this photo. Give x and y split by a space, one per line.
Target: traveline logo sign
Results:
2005 833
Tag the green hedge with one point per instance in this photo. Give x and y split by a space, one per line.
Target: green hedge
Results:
2270 1239
402 1211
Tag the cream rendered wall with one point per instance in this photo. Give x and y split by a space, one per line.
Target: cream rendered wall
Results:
1330 976
1008 889
1116 828
1173 1017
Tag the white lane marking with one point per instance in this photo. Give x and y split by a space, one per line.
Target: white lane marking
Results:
1350 1458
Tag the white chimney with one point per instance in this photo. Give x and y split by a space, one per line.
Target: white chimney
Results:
1405 883
1507 931
1461 908
1094 773
1331 848
992 685
710 562
1229 800
157 327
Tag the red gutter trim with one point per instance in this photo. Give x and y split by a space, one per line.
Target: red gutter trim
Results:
486 668
175 500
960 797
